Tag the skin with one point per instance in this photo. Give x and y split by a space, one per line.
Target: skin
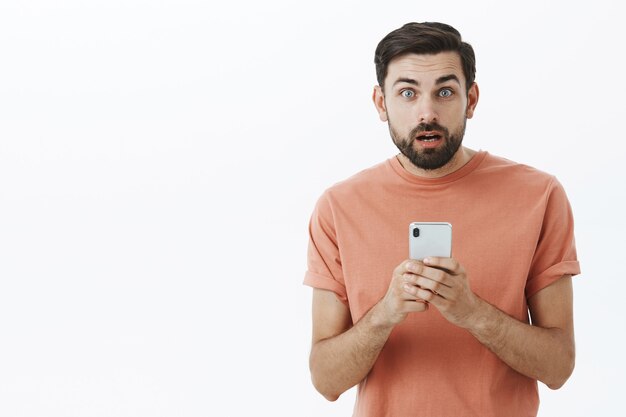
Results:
405 105
343 352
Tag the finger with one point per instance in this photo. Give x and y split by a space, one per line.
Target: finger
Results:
404 266
415 306
449 264
435 274
409 293
429 296
434 286
409 278
419 294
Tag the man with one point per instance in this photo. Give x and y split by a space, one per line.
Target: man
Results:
442 336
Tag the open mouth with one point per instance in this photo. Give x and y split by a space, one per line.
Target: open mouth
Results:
429 136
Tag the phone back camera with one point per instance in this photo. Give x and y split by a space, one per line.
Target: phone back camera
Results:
416 232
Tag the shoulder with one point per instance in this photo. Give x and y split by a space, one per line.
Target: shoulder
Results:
515 174
496 164
364 181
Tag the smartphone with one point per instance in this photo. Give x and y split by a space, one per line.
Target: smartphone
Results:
430 239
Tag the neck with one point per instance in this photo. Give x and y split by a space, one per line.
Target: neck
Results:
460 158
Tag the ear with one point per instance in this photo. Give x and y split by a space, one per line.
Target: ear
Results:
379 102
472 100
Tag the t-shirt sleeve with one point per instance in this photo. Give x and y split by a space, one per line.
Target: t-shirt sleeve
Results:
324 269
555 255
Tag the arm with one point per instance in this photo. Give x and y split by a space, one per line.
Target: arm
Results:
543 350
343 354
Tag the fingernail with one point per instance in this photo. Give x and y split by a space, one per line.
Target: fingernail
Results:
427 260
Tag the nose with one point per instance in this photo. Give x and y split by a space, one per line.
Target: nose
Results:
426 111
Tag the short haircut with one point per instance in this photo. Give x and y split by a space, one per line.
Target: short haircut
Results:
424 38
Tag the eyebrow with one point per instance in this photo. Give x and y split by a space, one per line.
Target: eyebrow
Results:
445 78
439 80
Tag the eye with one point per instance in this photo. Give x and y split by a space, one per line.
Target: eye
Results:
445 92
407 93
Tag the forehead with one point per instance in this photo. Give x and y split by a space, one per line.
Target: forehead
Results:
425 68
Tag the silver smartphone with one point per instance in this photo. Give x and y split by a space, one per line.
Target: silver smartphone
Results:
430 239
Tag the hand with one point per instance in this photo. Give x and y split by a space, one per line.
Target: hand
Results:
443 283
400 298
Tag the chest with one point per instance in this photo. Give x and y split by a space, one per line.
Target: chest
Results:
493 238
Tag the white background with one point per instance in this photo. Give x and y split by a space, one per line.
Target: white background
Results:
159 161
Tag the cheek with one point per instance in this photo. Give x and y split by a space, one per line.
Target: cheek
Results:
455 115
401 115
400 123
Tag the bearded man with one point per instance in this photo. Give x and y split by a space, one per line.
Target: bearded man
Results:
467 335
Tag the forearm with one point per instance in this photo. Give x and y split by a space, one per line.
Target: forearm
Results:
545 354
340 362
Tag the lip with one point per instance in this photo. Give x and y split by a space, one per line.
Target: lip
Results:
430 145
429 133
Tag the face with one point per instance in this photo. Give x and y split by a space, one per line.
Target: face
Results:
426 106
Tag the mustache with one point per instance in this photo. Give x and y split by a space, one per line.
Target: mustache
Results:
428 127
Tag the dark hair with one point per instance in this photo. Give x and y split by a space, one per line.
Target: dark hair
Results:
424 38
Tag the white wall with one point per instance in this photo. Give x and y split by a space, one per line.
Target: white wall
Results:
159 161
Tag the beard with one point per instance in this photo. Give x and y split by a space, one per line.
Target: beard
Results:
433 158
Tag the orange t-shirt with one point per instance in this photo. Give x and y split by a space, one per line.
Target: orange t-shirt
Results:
512 230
